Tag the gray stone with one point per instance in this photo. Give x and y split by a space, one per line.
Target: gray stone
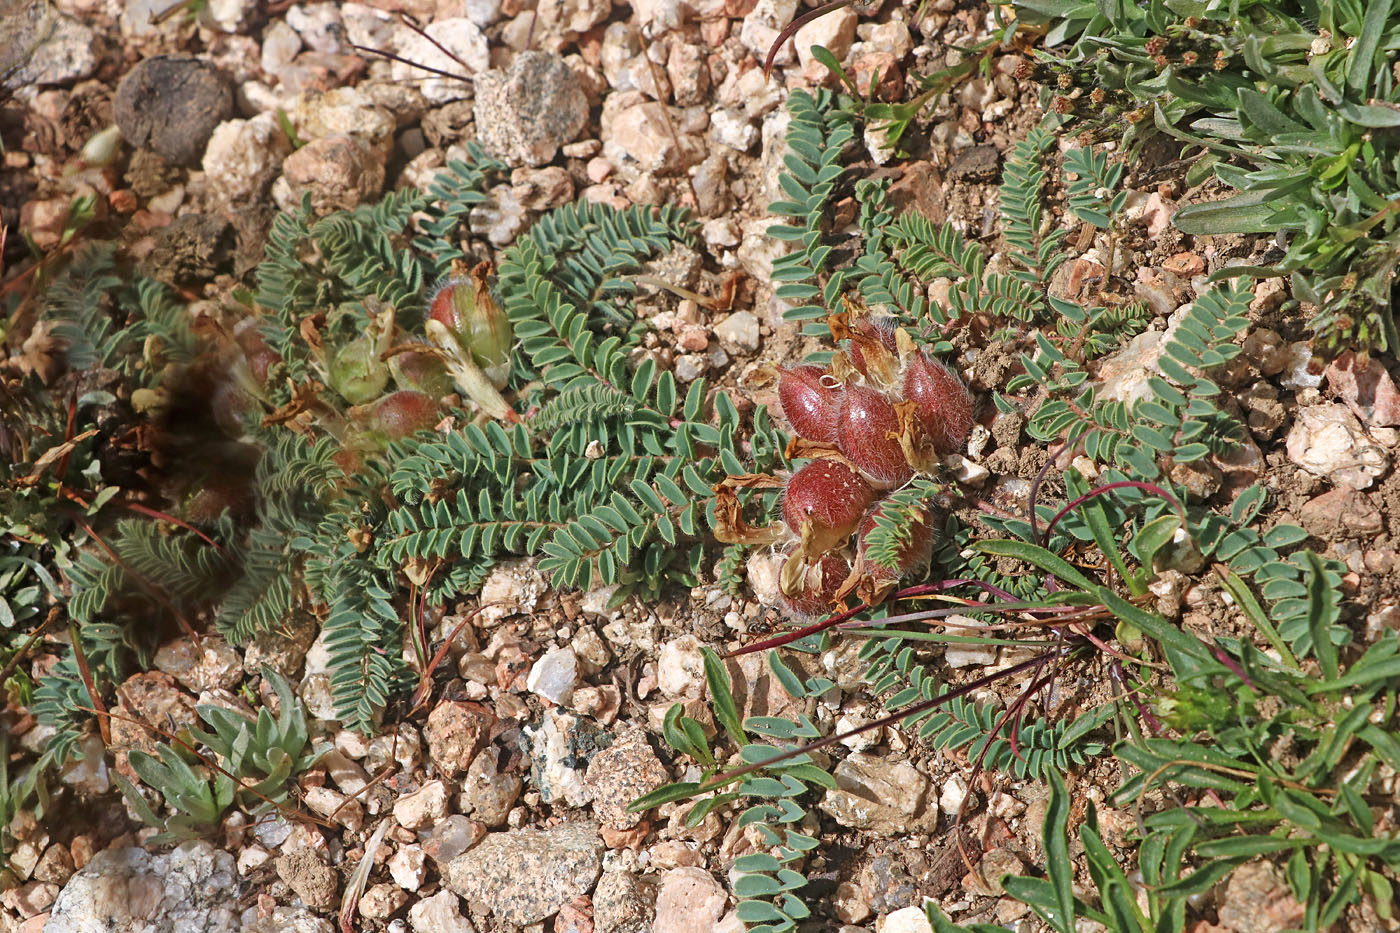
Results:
451 837
731 128
1125 372
996 865
86 771
319 25
212 664
481 12
1257 900
1328 440
460 37
279 46
623 904
348 776
284 920
880 795
227 16
272 830
423 808
643 133
382 900
440 913
171 104
345 111
525 876
65 49
409 867
680 670
138 15
339 172
194 887
455 732
907 920
740 330
761 27
526 112
834 32
243 157
487 795
884 885
559 750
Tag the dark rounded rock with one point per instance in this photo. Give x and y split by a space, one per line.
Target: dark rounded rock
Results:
171 104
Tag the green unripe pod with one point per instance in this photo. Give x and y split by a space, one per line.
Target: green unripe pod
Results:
464 306
420 371
475 338
357 373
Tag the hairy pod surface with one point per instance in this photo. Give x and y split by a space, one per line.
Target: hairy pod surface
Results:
910 560
816 594
945 409
809 404
867 432
399 414
831 498
258 355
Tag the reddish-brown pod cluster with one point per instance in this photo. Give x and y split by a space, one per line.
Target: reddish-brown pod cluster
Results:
881 412
817 585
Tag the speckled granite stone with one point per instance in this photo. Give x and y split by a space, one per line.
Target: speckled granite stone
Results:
526 875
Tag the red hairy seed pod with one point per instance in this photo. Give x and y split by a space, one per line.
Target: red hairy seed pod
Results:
945 410
913 558
829 496
259 356
399 414
230 404
816 596
809 403
867 432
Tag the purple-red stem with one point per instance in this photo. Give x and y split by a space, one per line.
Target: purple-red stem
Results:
167 517
1115 670
1100 490
922 589
729 776
791 29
